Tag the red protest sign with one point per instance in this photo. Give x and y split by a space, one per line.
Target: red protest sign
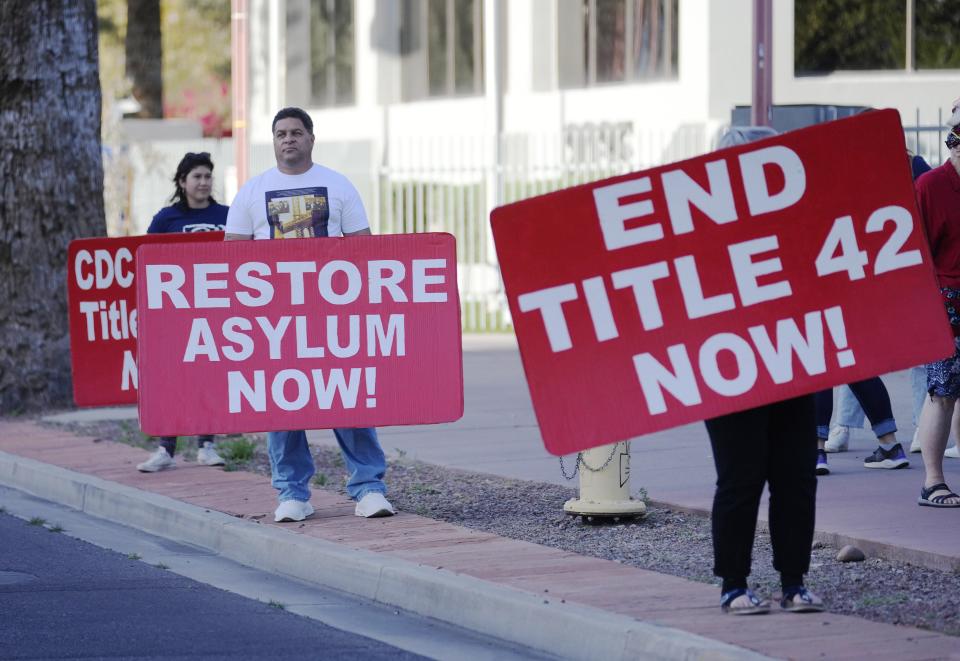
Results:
738 278
299 334
102 302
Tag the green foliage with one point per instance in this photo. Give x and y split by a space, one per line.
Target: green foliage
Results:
196 62
937 34
276 604
420 488
131 435
56 528
839 35
134 556
37 521
240 450
835 35
196 59
321 479
882 600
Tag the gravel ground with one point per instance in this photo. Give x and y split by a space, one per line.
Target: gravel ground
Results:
665 541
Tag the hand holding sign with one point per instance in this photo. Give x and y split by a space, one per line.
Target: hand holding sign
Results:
738 278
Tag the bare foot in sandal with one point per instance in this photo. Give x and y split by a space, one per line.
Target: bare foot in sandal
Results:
938 495
742 601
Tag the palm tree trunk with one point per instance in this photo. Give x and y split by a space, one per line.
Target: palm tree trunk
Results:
51 188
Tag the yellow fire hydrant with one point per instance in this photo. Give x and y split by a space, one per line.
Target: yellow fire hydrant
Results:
604 485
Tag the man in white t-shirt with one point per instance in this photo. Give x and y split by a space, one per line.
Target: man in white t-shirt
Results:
275 205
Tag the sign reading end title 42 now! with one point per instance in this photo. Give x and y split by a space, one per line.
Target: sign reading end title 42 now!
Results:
739 278
299 334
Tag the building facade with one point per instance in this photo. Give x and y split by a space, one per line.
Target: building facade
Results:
440 110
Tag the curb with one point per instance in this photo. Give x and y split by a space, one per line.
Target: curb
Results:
569 630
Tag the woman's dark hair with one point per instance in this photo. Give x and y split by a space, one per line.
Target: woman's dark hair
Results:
187 164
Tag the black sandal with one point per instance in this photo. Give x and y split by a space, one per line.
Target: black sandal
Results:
927 499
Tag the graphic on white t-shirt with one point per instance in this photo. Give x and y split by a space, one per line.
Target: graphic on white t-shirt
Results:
297 213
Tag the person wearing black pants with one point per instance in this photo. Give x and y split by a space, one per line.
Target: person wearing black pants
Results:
193 210
776 445
875 402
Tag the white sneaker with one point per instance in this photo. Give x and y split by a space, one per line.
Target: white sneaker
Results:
953 453
915 443
292 510
208 456
158 461
373 505
838 440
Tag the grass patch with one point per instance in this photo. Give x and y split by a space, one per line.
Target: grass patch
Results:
423 489
881 600
160 565
276 604
56 528
321 479
238 451
134 556
131 435
37 521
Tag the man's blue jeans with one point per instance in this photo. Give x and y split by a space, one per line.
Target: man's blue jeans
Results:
291 463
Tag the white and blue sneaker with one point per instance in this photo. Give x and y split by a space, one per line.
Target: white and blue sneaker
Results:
822 467
889 459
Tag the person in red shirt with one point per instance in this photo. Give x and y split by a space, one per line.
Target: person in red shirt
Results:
938 197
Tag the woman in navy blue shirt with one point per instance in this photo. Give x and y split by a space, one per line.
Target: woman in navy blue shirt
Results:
193 210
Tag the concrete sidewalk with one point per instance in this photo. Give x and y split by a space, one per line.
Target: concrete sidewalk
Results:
875 509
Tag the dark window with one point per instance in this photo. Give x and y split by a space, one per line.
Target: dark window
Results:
620 41
331 53
862 35
454 47
937 34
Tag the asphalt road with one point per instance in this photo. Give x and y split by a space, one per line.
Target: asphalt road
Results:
64 598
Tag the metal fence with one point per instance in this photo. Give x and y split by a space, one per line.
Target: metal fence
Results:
926 138
450 184
447 184
442 184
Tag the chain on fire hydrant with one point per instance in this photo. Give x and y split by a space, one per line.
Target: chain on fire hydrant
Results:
604 484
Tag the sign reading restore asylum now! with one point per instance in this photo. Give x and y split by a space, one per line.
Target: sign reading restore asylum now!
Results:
102 303
738 278
299 334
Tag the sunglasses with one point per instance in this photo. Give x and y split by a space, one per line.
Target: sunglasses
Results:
953 138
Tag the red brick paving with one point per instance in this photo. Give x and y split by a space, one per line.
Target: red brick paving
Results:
646 595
